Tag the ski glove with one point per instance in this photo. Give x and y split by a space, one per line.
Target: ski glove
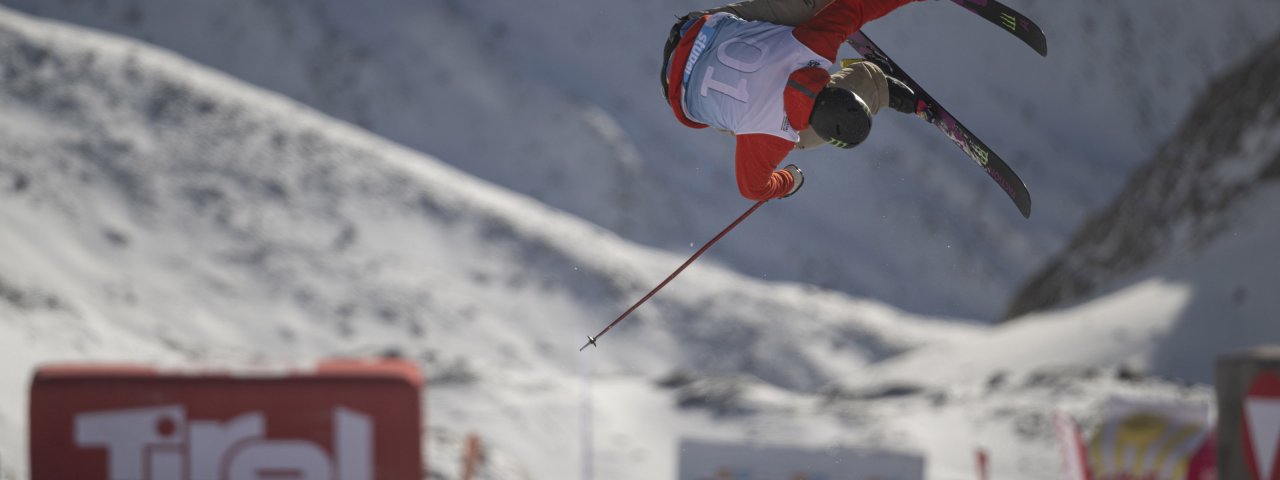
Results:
797 177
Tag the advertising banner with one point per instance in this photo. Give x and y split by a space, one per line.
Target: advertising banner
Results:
702 460
1153 441
348 420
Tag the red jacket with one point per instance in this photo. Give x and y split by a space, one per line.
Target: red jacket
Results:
758 155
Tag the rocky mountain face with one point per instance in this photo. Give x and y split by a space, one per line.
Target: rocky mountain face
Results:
1184 198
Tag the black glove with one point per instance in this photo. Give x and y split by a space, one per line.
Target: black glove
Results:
797 175
901 97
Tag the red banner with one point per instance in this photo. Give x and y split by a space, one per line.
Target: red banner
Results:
347 420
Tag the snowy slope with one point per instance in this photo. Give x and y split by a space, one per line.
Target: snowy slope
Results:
155 210
560 102
1170 320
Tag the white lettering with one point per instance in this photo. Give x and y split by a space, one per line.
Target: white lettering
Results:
261 460
128 434
353 437
736 61
159 443
738 92
210 441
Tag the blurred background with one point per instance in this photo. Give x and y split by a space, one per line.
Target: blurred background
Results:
474 186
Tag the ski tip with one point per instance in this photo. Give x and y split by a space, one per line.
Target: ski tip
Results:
1025 208
591 342
1034 37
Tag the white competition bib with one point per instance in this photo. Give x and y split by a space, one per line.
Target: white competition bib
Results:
737 72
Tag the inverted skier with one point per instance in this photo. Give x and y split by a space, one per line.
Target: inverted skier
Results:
759 69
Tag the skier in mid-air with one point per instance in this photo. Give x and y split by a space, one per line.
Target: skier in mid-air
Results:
759 69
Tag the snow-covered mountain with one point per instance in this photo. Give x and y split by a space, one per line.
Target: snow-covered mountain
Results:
1223 159
154 209
560 102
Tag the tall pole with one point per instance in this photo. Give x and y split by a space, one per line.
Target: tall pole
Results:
588 420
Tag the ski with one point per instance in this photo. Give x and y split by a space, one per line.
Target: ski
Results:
1009 19
933 113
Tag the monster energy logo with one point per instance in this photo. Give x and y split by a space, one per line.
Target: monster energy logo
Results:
838 143
1008 21
980 155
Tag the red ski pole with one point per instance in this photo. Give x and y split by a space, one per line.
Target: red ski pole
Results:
591 341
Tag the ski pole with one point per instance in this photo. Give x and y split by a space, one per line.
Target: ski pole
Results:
591 341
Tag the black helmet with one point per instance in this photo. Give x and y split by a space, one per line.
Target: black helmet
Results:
840 117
